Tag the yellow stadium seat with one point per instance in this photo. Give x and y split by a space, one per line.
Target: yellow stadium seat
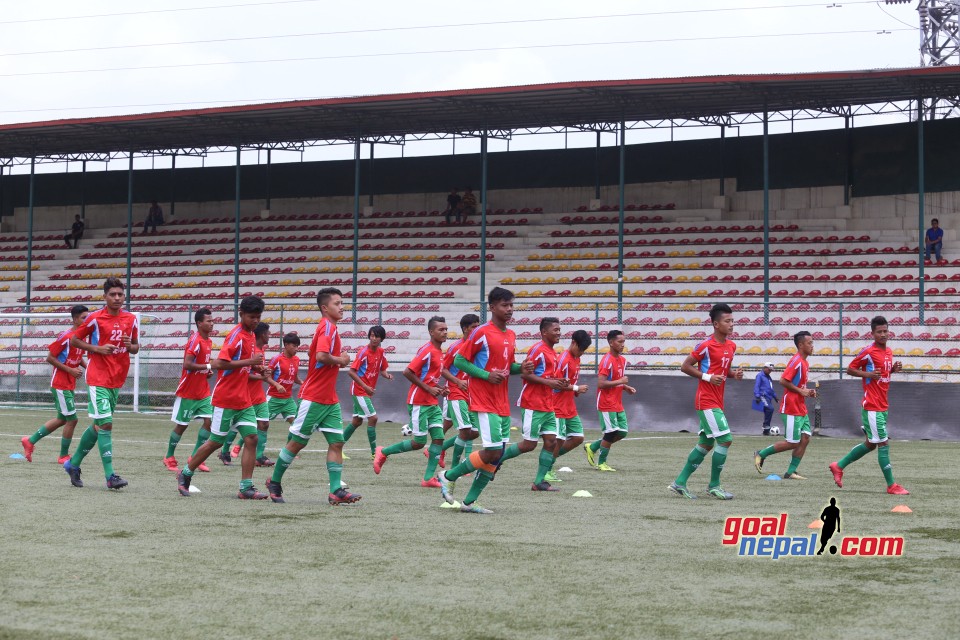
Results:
603 255
772 351
899 352
753 350
946 367
670 351
674 254
826 351
916 352
534 280
580 292
549 281
534 256
683 335
563 280
665 334
681 279
685 292
909 366
927 367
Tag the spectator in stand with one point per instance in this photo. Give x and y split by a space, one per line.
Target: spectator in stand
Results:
934 241
453 204
75 233
154 218
468 204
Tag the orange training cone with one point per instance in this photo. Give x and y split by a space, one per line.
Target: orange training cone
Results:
901 508
816 524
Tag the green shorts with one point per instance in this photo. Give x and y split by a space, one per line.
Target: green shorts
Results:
713 423
794 427
284 407
537 423
874 425
363 407
243 421
63 400
458 412
185 411
102 403
312 417
612 421
426 420
569 427
262 410
494 429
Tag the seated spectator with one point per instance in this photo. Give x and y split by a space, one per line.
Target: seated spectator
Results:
154 218
934 241
453 205
468 203
75 233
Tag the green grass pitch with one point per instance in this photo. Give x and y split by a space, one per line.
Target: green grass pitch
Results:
634 561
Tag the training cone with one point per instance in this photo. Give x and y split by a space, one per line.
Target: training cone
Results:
773 477
583 493
816 524
194 489
445 505
901 508
16 456
565 470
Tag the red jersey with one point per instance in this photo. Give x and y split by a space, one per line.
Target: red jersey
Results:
794 404
255 387
490 349
874 358
102 328
232 388
193 384
426 365
66 355
715 358
539 397
367 365
283 370
568 368
612 368
454 392
321 383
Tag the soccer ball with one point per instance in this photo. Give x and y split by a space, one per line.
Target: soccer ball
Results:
774 431
405 430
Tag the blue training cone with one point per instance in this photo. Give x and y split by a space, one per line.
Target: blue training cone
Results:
773 476
17 456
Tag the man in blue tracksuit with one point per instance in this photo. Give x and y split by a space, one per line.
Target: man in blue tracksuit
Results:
763 395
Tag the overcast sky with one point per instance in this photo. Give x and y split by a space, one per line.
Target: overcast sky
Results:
66 59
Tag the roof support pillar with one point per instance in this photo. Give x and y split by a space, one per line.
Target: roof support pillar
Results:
723 160
848 164
236 241
921 196
129 227
83 190
596 169
173 185
266 204
766 216
483 225
30 231
356 226
370 197
623 159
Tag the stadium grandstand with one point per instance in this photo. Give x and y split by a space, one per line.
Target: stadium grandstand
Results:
818 230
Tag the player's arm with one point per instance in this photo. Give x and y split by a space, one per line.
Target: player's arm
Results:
79 343
472 370
855 369
452 379
416 381
190 363
556 384
359 381
690 368
56 364
328 360
230 365
792 388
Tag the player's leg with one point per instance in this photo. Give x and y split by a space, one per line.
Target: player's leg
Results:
205 412
220 426
459 416
870 430
549 431
63 402
418 423
245 422
181 415
66 437
262 412
694 459
883 454
435 430
304 423
530 425
359 413
107 403
330 423
98 409
616 432
484 462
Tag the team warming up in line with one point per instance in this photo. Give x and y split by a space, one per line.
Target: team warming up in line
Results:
463 387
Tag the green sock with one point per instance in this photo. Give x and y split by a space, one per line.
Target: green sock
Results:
246 484
231 436
768 451
398 447
458 446
433 459
794 463
604 452
105 444
717 460
481 481
855 454
560 450
511 452
348 432
467 448
335 469
461 469
284 460
883 457
202 436
693 461
449 442
65 445
172 443
42 432
595 445
186 471
546 463
261 442
372 438
87 441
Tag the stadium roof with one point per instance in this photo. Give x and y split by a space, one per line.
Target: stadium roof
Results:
709 99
